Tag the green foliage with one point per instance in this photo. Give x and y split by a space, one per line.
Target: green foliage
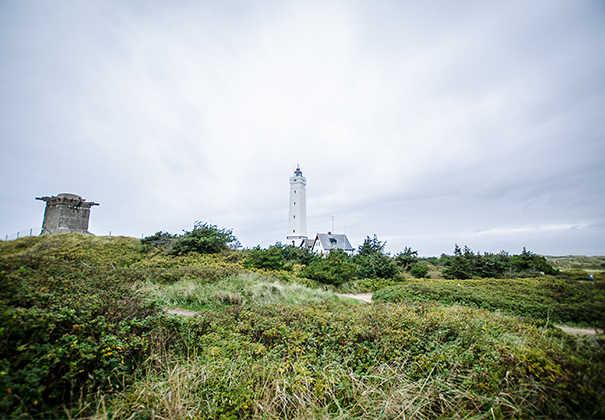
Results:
80 314
419 271
461 265
406 259
336 360
336 268
241 289
204 239
577 262
528 261
65 327
268 259
372 262
296 255
545 298
375 266
160 239
465 264
371 247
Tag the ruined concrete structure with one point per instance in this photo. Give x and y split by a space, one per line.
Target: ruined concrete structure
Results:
66 213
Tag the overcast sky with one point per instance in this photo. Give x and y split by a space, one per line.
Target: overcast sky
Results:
427 123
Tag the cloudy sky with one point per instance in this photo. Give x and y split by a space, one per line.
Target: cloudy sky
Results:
426 123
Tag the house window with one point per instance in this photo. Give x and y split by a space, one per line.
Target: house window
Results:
294 230
294 191
295 203
294 217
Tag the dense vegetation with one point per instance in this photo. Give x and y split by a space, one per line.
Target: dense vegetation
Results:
558 300
83 333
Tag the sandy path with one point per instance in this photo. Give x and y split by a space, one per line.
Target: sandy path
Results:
366 297
180 312
573 330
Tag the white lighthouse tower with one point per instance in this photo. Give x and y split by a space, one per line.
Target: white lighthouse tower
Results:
297 223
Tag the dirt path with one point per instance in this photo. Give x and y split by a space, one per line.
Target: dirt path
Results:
180 312
573 330
366 297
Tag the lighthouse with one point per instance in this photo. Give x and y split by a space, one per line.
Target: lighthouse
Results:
297 223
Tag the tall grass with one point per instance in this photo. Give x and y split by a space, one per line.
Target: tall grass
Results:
365 361
240 289
188 389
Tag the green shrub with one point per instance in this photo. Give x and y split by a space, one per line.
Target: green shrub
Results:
160 239
204 239
419 271
335 269
545 298
406 259
65 327
268 259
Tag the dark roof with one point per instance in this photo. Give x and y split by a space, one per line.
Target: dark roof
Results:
334 241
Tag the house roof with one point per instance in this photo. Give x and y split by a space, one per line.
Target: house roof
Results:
334 241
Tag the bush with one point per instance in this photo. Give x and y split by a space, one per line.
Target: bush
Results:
336 268
160 239
375 266
544 298
65 327
205 239
268 259
406 259
419 271
372 262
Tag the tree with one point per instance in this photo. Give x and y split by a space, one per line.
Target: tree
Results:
372 261
205 239
371 246
492 265
460 266
269 259
336 268
375 265
523 261
528 261
296 255
407 258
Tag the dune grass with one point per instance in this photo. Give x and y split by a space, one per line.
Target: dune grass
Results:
240 289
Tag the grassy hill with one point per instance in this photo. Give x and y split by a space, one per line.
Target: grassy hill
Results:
578 262
83 334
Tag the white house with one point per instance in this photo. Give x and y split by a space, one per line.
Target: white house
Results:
325 242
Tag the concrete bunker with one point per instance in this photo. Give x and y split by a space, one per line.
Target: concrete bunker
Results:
66 213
